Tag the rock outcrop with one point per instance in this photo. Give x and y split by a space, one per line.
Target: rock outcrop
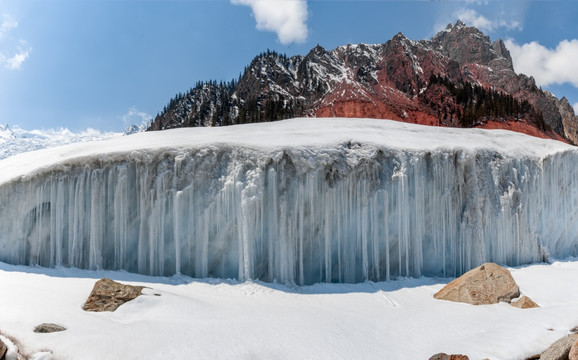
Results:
108 295
388 81
486 284
569 119
524 303
560 349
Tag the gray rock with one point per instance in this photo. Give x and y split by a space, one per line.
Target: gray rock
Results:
48 328
560 349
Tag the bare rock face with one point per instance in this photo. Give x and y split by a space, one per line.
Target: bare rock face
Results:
524 303
569 119
442 356
560 349
468 45
573 355
487 284
108 295
48 328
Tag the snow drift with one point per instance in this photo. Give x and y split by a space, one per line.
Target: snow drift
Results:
303 201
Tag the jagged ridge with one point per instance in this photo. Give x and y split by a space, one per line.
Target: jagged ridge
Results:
390 80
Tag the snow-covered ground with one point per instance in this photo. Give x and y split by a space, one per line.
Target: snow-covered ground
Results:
223 319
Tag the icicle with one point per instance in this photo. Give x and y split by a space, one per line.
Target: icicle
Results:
355 214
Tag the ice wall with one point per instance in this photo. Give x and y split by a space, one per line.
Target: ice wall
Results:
353 213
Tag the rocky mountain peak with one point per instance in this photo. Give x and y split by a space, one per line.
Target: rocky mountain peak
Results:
317 51
465 44
458 78
459 24
500 48
399 37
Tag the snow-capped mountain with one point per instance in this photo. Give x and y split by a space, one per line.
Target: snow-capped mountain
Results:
458 78
15 140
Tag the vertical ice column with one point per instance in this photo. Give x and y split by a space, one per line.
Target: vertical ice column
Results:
348 215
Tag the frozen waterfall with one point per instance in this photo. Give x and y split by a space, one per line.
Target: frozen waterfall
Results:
341 211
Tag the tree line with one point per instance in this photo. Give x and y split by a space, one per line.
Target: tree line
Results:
477 103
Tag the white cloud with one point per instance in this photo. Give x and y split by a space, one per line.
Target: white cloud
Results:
287 18
12 59
576 108
15 61
135 117
547 66
473 18
8 23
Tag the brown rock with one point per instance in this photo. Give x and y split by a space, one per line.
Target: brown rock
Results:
108 295
48 328
524 303
442 356
573 355
560 349
3 350
487 284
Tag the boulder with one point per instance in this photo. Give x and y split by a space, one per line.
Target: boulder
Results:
573 354
442 356
108 295
524 303
486 284
560 349
48 328
3 350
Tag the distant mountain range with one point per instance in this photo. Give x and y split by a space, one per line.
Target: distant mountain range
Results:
458 78
16 140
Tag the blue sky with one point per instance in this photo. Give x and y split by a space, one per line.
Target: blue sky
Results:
105 64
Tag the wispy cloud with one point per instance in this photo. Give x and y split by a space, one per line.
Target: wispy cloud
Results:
486 23
473 18
576 108
15 61
287 18
547 66
13 51
8 23
135 117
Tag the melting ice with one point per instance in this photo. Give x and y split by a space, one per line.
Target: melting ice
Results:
367 200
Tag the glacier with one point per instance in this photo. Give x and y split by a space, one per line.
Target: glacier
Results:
298 201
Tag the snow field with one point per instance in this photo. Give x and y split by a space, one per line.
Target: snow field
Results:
225 319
